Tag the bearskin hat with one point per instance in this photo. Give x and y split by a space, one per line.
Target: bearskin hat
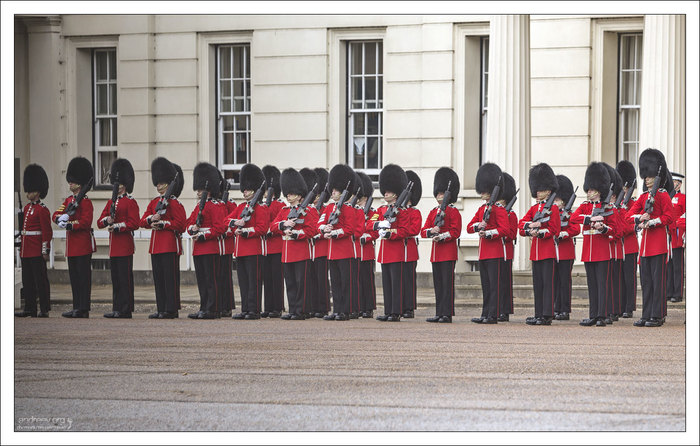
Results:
566 188
322 175
649 162
293 183
417 190
311 179
487 177
79 171
627 172
123 172
272 179
615 180
508 191
179 181
367 186
357 186
668 185
392 178
252 177
542 178
206 177
339 177
443 177
162 171
222 185
597 178
36 180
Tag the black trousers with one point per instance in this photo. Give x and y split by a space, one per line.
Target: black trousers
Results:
320 287
206 267
249 269
629 283
226 297
273 279
652 273
355 285
489 271
166 281
368 291
35 283
562 286
444 285
392 281
614 293
409 286
597 279
674 274
506 287
543 286
296 277
80 273
341 284
122 269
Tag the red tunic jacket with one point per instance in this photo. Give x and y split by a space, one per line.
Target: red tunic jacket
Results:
368 237
498 226
36 230
542 245
359 230
273 241
167 238
250 242
510 242
630 245
320 243
596 245
444 249
212 228
677 228
229 236
654 239
79 238
297 247
126 221
340 245
567 248
395 248
415 221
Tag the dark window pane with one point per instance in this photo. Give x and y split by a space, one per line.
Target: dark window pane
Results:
241 123
638 58
380 69
228 123
370 58
114 132
104 165
358 124
358 151
104 136
372 153
102 99
241 148
237 62
356 58
225 62
370 88
112 99
228 148
247 61
356 93
100 65
373 123
112 65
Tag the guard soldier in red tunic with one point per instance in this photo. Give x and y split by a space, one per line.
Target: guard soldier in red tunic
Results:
337 225
543 252
676 267
567 251
358 230
443 226
206 225
630 245
320 291
415 221
250 221
491 223
36 235
312 183
273 268
297 228
653 213
506 286
597 220
614 292
165 217
368 291
80 241
392 248
227 301
121 218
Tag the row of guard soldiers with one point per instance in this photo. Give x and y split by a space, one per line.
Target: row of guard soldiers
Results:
301 244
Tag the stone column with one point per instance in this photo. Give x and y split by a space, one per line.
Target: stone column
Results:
508 128
662 120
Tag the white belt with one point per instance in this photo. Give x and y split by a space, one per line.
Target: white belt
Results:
591 232
31 232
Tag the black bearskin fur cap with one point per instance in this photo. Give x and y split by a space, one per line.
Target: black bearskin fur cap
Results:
79 171
487 177
508 191
627 172
252 177
417 190
162 171
649 162
615 179
367 186
339 177
272 175
310 178
443 177
180 182
322 175
392 178
566 188
293 183
597 178
542 177
36 180
206 176
121 169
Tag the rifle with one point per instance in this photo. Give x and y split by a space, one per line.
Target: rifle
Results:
335 215
227 186
368 206
270 192
202 203
250 207
618 200
73 205
566 213
323 198
162 205
300 211
628 195
494 194
649 205
512 201
115 192
393 210
20 220
353 201
604 206
440 216
543 215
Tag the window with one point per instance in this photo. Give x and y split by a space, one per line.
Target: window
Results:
629 94
484 96
104 95
233 108
365 102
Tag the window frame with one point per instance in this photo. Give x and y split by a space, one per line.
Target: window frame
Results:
97 119
623 109
483 97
